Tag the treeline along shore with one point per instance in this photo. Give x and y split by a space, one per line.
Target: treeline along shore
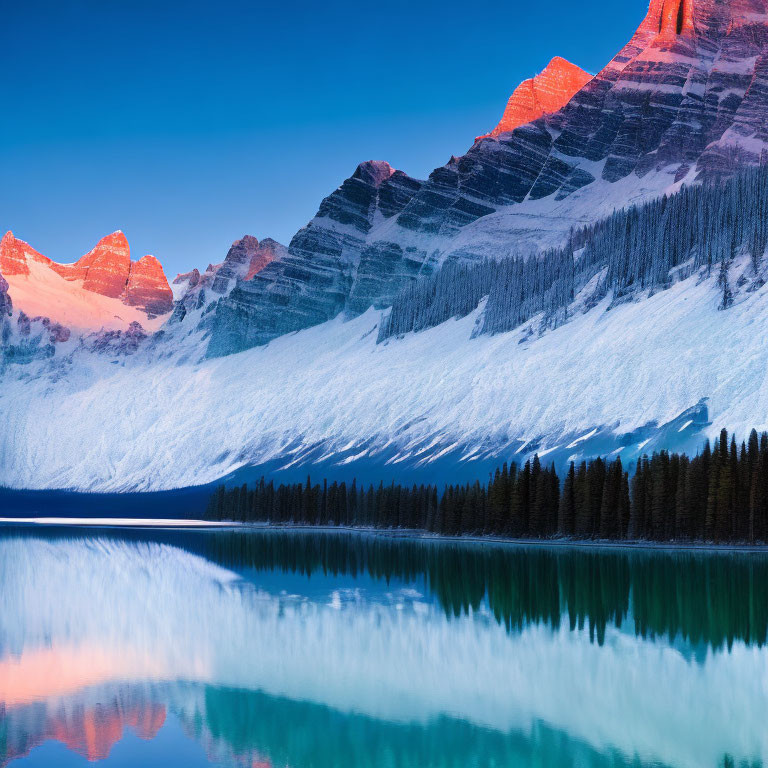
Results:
720 495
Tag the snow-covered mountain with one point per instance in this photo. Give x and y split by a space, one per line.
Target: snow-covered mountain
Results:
103 296
85 295
684 100
276 357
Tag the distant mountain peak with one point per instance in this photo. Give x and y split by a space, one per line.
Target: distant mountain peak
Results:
106 268
39 286
544 94
374 172
14 254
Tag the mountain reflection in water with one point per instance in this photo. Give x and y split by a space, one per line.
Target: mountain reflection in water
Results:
288 648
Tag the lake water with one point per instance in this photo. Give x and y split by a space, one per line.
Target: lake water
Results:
320 650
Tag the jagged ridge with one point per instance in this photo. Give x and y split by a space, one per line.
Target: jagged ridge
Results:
686 99
106 270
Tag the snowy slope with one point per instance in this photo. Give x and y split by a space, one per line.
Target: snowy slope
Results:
535 225
684 101
331 394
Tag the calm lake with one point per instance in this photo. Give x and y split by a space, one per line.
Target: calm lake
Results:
319 650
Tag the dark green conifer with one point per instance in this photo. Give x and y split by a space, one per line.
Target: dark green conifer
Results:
567 507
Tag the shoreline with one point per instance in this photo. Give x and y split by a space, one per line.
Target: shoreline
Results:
405 533
114 522
392 533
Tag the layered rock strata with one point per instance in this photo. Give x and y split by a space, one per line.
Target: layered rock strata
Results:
686 99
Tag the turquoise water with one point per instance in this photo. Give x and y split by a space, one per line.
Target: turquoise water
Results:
312 650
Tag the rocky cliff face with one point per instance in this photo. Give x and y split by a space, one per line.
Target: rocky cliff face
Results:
311 281
107 270
244 260
6 304
688 91
236 263
542 95
686 99
147 286
14 256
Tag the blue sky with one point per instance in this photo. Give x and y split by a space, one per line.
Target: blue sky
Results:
188 124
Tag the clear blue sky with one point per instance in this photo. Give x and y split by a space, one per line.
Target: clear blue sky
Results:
188 124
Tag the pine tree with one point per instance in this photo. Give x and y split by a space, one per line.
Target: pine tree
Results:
609 505
624 506
658 480
683 526
538 500
713 495
726 295
582 517
720 494
637 512
567 507
497 494
524 498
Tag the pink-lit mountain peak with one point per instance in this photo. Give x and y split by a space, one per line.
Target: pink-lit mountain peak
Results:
41 286
671 30
14 254
542 95
668 19
111 252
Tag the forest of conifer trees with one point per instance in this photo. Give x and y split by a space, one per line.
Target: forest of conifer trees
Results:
645 247
720 495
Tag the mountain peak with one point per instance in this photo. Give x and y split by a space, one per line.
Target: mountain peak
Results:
544 94
105 269
374 172
13 255
248 242
39 286
116 238
147 286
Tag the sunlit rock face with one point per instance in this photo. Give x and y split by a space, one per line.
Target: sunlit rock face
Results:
105 269
236 263
267 251
148 287
92 293
687 90
686 99
244 260
542 95
14 254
